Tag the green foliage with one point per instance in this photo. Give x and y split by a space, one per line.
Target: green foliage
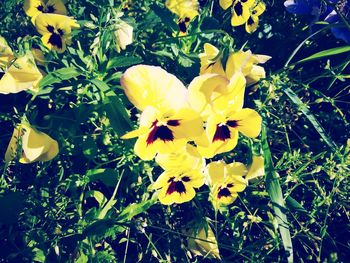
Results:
92 202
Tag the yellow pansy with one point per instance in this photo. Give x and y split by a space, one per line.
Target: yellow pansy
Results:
123 35
222 131
35 7
6 54
240 10
204 244
226 181
55 30
210 60
36 145
21 75
212 93
256 168
183 173
186 157
186 10
246 62
165 131
253 21
152 86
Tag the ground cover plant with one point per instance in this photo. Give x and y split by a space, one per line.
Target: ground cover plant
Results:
174 131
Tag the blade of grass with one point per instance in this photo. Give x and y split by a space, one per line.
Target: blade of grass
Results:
275 192
304 109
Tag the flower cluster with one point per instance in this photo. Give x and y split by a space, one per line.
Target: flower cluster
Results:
244 12
181 127
328 12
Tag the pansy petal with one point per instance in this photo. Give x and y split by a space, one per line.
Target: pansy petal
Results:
256 168
152 86
236 168
216 172
248 121
225 4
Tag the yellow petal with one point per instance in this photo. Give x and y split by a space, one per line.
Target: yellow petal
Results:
204 91
252 24
238 182
225 4
216 172
259 9
35 7
190 124
183 8
23 74
6 54
240 13
187 158
175 197
37 146
240 61
255 74
256 168
152 86
205 243
248 121
210 60
236 169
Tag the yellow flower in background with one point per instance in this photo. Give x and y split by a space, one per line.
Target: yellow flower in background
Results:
21 75
123 35
212 93
6 54
253 21
55 30
256 168
226 181
183 173
240 10
204 244
35 7
210 60
165 131
36 145
246 62
152 86
186 10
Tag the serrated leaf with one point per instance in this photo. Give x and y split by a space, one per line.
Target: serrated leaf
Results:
122 62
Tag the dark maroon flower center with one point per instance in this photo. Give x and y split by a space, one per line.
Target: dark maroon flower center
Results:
162 132
222 132
47 9
224 192
238 8
177 186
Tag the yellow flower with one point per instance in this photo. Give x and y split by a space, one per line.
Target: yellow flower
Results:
246 62
36 145
240 10
226 181
6 54
35 7
165 131
123 35
21 75
256 168
253 20
210 60
183 173
212 93
204 244
186 157
186 10
152 86
55 30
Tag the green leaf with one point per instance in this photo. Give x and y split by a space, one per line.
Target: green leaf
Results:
165 15
304 109
326 53
295 206
58 75
274 189
122 62
134 209
114 108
